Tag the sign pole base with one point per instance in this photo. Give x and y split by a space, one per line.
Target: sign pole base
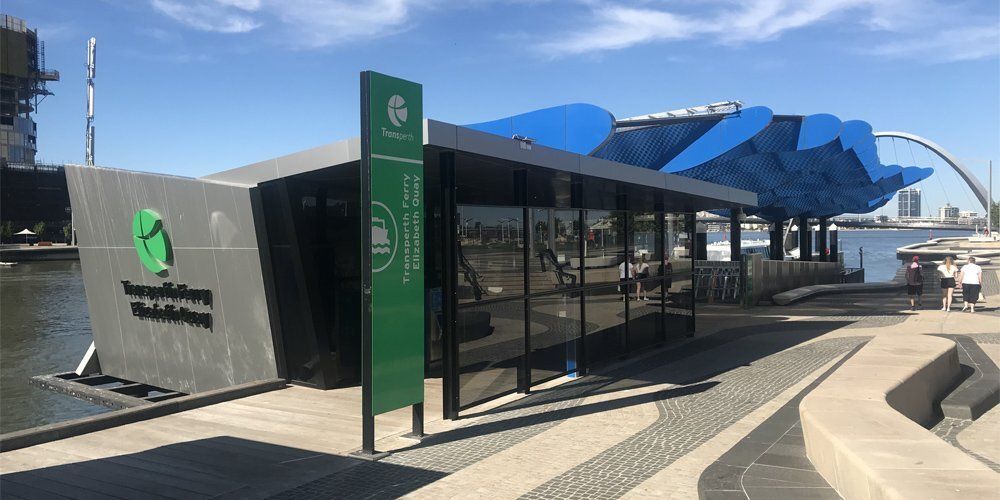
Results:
418 423
373 456
367 451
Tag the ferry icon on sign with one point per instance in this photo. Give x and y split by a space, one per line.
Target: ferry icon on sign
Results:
385 237
380 236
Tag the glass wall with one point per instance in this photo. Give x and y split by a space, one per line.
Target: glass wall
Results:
554 272
490 253
312 222
554 255
555 331
605 310
678 270
604 247
490 348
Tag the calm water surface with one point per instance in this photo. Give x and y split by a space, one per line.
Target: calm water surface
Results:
44 326
879 246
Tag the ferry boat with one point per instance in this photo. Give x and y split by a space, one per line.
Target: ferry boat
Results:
719 250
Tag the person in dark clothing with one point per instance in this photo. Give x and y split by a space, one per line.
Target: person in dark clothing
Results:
915 283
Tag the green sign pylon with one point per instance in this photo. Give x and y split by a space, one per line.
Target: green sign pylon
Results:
392 173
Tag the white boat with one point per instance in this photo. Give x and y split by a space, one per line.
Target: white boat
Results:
8 264
720 249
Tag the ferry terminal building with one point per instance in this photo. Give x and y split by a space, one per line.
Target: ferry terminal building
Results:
522 247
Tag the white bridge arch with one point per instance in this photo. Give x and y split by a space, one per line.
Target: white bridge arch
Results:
977 187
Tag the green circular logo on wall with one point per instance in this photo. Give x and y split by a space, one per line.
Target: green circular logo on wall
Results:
151 241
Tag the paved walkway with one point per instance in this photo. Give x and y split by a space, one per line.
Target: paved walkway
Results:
646 428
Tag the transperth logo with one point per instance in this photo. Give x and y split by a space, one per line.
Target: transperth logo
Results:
397 110
151 241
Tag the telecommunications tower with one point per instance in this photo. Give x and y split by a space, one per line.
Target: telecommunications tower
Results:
91 71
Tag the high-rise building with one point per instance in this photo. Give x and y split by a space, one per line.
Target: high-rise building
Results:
29 192
22 86
909 202
948 212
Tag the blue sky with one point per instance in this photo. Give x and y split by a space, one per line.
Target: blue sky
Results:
192 87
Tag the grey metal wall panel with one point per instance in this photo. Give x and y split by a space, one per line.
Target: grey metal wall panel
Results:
94 234
229 226
211 230
206 346
252 355
101 295
187 216
248 175
137 335
440 134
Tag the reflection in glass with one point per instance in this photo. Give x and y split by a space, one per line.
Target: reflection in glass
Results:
646 248
605 323
554 244
555 331
677 273
604 247
645 316
491 342
490 253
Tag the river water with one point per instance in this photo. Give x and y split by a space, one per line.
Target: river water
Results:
44 327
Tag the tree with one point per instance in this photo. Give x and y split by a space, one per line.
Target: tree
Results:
995 214
68 234
6 230
39 230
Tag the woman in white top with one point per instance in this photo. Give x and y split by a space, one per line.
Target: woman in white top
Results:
626 272
971 278
641 272
947 270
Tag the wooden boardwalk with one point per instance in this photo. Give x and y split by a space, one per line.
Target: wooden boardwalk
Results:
251 447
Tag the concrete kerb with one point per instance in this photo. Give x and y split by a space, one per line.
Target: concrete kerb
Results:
874 447
793 296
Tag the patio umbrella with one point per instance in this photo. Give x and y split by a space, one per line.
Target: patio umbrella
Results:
26 232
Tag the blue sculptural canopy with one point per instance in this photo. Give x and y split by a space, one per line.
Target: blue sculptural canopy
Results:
813 165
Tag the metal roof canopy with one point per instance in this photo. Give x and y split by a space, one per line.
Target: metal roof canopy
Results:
707 195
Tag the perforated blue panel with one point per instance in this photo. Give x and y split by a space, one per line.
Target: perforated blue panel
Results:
653 146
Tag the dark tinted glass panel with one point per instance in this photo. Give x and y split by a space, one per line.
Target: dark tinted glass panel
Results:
491 341
605 337
604 246
313 224
645 315
677 277
555 332
483 181
645 243
433 265
549 188
491 253
600 194
555 249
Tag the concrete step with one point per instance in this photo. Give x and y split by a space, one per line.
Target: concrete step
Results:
980 391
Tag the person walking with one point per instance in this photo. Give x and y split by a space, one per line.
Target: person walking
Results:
915 283
641 272
948 270
970 278
626 272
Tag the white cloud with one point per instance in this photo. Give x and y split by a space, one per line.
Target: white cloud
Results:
318 23
928 29
303 23
946 45
211 15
